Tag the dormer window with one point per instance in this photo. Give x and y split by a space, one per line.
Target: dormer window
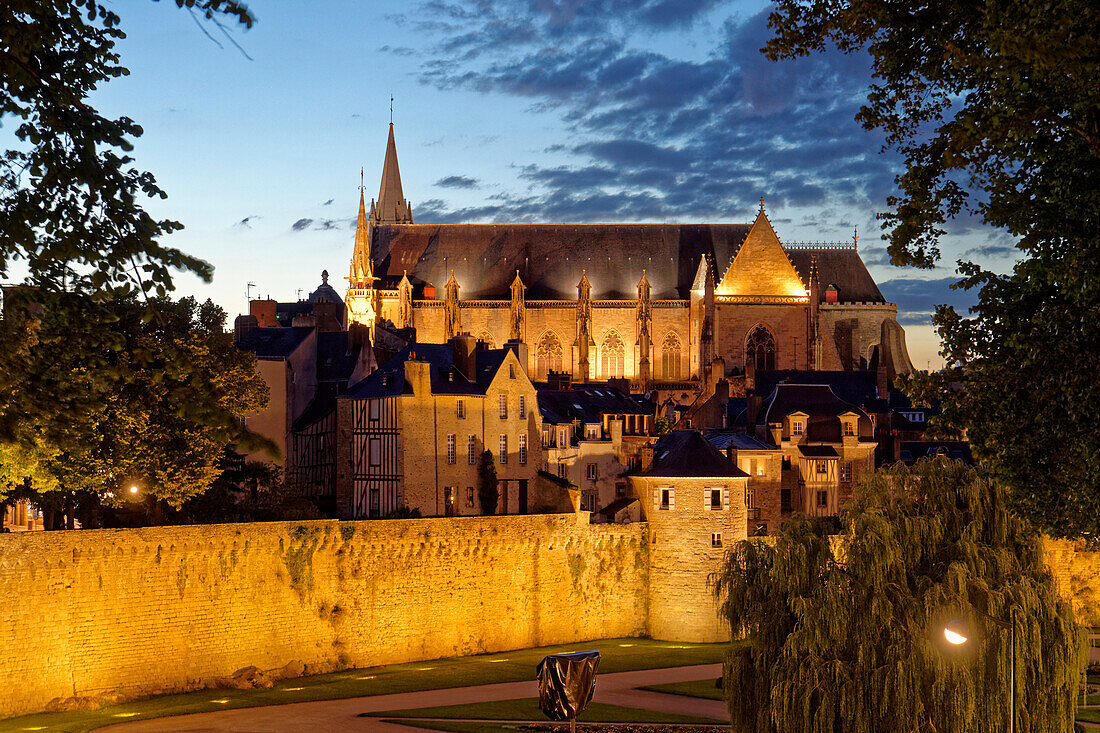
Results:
849 428
798 426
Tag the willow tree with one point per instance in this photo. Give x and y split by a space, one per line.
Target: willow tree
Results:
845 632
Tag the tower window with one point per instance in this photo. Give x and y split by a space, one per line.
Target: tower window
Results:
760 349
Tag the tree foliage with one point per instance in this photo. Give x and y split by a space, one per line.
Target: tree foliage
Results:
845 631
995 108
161 421
488 494
72 224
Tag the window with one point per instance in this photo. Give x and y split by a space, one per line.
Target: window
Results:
460 409
846 473
470 497
612 355
451 449
376 451
504 449
760 349
670 357
666 499
822 499
471 450
750 498
592 432
798 427
522 407
373 410
504 407
712 499
562 469
590 472
523 450
448 501
511 371
822 467
715 539
563 440
849 428
548 355
785 500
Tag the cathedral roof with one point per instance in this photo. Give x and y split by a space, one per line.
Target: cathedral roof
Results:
839 266
485 258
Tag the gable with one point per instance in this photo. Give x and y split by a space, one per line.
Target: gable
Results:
761 266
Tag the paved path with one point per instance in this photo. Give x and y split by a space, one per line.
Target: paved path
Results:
342 715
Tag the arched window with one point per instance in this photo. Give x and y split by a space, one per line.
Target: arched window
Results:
671 364
485 338
612 355
760 349
548 355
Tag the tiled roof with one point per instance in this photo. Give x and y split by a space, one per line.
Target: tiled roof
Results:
550 257
588 403
273 342
389 379
723 440
687 454
841 267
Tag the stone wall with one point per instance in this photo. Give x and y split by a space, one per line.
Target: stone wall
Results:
169 608
1076 574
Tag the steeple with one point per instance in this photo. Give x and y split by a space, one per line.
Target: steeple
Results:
362 268
391 206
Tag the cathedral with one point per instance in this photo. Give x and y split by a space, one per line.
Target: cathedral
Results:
660 305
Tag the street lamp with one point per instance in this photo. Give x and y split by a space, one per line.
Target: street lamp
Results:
134 489
956 633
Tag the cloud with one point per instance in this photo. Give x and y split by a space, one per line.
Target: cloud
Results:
246 223
321 225
917 298
694 136
457 182
328 203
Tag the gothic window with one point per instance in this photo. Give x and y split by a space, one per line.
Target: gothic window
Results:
670 357
548 355
486 339
760 349
612 356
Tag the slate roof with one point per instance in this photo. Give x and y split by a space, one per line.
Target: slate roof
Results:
687 454
857 388
818 451
723 440
588 403
821 405
334 360
614 507
550 257
389 379
273 342
842 267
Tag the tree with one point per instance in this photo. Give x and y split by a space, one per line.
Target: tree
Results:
995 109
845 632
71 218
488 494
153 424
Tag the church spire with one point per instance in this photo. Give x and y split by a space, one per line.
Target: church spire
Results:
362 268
392 207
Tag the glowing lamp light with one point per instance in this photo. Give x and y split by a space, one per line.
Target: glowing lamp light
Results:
955 632
134 489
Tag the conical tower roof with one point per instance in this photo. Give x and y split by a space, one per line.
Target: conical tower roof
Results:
362 269
391 207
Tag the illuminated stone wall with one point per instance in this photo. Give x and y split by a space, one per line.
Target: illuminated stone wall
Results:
1076 577
170 608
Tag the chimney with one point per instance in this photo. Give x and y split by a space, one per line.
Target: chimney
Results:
882 382
358 335
241 326
559 381
463 350
831 294
750 375
264 311
419 376
304 320
520 348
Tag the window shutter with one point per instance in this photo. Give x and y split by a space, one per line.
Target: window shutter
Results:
725 498
706 500
656 499
671 499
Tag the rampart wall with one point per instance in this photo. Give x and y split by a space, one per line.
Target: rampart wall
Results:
169 608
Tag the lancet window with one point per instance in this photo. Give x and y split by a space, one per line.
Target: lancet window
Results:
671 355
760 349
612 356
548 355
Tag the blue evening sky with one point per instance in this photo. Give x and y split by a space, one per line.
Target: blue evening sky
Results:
514 110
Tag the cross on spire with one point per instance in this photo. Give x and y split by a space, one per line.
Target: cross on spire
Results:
391 109
761 204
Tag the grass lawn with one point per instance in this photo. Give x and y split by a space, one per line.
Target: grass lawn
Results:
528 709
619 655
695 688
456 726
1089 715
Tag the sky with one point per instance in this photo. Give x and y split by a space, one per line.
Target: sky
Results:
504 110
